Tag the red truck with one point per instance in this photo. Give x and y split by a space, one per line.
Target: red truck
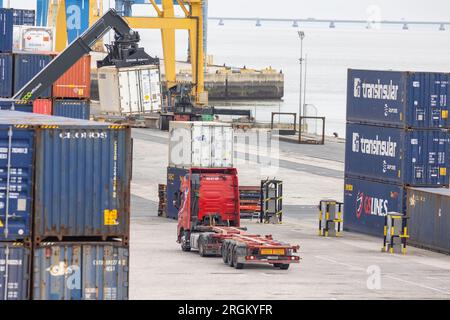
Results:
209 221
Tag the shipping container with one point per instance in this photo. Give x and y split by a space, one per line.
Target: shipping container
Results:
15 268
367 202
428 212
75 82
24 17
412 157
400 99
77 109
201 144
9 105
42 106
174 176
6 30
81 271
6 75
33 39
26 66
81 171
134 90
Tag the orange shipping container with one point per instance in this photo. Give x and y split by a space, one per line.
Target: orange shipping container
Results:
76 82
43 106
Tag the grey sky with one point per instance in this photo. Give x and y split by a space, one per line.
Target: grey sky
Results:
352 9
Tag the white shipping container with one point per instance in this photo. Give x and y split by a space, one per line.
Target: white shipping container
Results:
201 144
33 39
134 90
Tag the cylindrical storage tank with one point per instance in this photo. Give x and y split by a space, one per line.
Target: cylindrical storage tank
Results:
411 157
201 144
33 39
428 212
80 271
80 176
42 106
174 176
73 108
400 99
6 75
133 90
6 30
75 82
26 66
367 202
15 268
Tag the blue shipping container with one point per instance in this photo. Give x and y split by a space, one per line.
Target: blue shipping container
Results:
6 75
6 30
82 173
428 211
80 271
174 176
366 204
401 99
411 157
24 17
77 109
7 105
26 66
14 271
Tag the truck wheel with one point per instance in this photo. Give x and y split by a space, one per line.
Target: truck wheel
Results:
230 255
236 264
201 248
224 249
284 266
185 245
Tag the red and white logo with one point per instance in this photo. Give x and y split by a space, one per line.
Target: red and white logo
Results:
370 205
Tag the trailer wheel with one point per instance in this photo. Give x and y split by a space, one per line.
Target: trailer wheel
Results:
224 249
230 255
201 248
284 266
185 245
236 264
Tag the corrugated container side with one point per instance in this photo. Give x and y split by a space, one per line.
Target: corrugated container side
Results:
174 176
429 218
7 105
42 106
6 75
76 82
15 270
366 204
201 144
401 99
412 157
6 30
83 178
81 271
77 109
26 66
16 208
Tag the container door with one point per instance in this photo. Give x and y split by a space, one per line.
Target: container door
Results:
145 92
125 94
109 90
16 175
6 75
201 146
14 271
222 146
134 89
155 89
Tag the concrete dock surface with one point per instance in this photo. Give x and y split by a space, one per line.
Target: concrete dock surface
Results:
351 267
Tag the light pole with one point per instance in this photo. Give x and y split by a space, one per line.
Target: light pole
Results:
301 35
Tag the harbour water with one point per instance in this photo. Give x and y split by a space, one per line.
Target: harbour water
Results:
330 52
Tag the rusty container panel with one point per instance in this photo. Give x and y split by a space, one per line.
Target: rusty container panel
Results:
76 82
80 271
42 106
428 212
81 176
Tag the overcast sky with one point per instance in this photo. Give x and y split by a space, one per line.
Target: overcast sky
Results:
352 9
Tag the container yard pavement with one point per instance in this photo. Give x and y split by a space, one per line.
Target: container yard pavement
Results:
331 268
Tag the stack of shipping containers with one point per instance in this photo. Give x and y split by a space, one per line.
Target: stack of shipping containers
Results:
64 208
396 137
24 51
195 144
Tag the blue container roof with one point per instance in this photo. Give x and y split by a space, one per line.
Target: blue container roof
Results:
8 117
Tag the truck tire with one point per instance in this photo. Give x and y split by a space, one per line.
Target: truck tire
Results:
236 264
185 245
224 250
230 255
284 266
201 249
